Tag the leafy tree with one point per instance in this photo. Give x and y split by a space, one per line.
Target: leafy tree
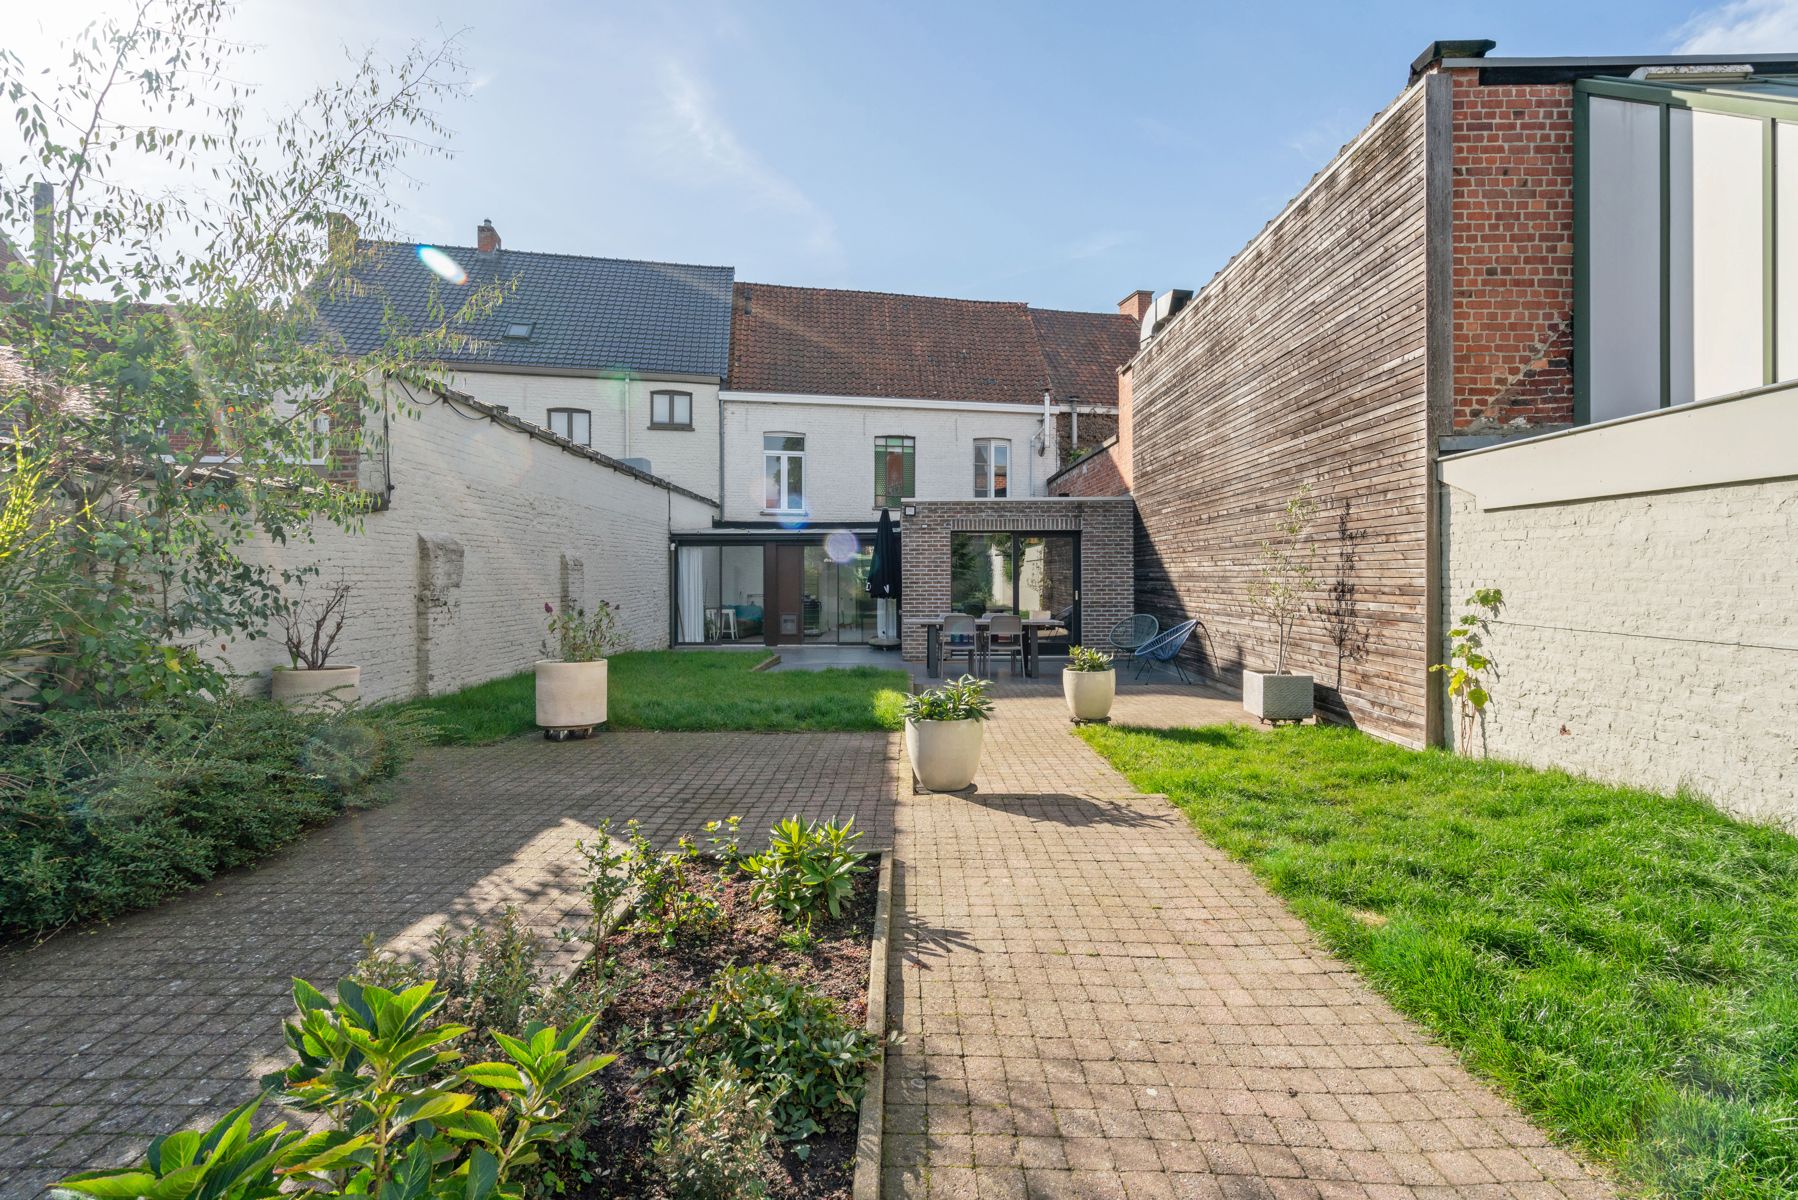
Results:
1287 575
165 377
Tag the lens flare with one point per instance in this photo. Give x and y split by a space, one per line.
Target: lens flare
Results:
840 545
442 265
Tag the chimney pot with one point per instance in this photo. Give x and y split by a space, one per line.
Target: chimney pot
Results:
486 237
1136 304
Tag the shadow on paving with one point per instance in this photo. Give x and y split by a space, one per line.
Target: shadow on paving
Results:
1075 812
166 1018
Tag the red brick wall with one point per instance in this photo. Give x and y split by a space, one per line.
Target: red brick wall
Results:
1097 474
1513 253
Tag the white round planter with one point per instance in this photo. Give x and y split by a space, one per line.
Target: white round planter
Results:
944 754
1277 697
1089 693
571 695
314 691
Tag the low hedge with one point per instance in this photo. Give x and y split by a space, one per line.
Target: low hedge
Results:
104 812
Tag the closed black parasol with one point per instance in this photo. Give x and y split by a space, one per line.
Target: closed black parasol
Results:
883 572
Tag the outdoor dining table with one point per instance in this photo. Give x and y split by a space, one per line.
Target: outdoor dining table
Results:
1033 626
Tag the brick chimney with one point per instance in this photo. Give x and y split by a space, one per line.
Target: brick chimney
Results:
486 237
1136 304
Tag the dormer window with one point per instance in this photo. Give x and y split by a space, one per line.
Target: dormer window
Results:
519 331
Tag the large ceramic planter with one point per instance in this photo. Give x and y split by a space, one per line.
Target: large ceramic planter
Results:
571 696
1089 693
944 754
313 691
1277 697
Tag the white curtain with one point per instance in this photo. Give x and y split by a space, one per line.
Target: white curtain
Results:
692 592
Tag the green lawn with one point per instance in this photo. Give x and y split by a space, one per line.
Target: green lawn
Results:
1624 964
686 690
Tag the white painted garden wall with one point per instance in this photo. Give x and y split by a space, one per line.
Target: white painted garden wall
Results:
450 581
1650 573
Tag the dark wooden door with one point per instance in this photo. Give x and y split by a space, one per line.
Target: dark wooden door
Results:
784 568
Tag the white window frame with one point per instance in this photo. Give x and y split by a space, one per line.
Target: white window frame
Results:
993 490
786 459
567 428
672 422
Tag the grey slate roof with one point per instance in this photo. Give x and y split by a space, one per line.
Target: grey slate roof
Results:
586 313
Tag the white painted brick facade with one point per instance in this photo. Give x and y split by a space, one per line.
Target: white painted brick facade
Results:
839 453
516 505
1646 639
620 408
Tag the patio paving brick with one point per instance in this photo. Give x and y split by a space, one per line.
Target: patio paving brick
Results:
1114 1008
163 1019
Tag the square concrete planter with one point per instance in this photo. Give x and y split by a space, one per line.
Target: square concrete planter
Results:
1277 697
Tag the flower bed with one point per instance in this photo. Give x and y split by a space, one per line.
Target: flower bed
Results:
665 989
714 1042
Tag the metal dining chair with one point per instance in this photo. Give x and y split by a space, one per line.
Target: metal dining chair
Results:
960 636
1004 632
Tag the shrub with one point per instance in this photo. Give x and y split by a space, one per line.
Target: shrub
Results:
104 811
794 1041
807 866
961 699
373 1062
715 1145
1085 658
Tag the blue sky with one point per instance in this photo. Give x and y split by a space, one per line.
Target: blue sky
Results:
1057 153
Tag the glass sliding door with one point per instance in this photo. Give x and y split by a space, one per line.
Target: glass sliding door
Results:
718 594
837 608
1029 574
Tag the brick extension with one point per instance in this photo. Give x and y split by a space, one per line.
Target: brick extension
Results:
1098 1004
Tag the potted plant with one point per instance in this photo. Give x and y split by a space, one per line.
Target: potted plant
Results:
571 688
1287 577
309 631
1089 683
944 728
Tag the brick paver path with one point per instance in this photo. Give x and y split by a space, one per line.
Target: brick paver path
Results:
1098 1004
166 1018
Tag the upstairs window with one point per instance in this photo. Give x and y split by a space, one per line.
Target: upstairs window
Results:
992 468
575 424
1685 206
895 470
783 472
671 410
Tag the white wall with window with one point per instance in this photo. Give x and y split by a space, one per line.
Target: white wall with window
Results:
854 448
575 424
783 473
625 416
992 468
1684 196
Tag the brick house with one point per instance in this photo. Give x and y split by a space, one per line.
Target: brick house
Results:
1515 258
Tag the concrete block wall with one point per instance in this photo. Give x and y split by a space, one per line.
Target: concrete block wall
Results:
1107 550
487 523
1647 640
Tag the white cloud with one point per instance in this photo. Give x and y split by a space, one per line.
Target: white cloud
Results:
1742 25
700 130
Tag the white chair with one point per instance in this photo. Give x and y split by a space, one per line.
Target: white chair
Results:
961 636
727 623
